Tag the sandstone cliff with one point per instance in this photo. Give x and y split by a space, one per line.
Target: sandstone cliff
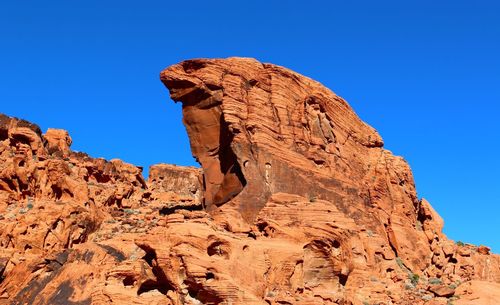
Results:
297 202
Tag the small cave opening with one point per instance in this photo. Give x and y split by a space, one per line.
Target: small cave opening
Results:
265 229
202 293
209 276
4 134
343 278
218 248
129 281
58 192
21 139
149 285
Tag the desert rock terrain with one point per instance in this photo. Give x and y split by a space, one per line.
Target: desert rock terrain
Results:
296 202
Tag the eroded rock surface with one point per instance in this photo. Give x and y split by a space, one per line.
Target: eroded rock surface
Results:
69 223
297 202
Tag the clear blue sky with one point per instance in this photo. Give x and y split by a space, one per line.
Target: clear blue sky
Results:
426 75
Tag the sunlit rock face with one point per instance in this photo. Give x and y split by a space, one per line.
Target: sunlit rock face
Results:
296 202
259 129
284 156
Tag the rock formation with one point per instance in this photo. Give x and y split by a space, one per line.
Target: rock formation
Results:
297 202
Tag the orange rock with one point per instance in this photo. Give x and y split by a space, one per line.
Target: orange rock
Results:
297 202
483 250
267 130
442 290
478 293
58 141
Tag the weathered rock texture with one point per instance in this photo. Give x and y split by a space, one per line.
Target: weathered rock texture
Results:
297 202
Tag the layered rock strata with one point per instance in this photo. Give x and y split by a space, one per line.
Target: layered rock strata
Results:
297 202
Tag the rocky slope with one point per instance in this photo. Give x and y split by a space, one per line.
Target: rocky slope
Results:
297 202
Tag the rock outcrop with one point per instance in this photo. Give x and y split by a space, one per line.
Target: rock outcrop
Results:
69 223
297 202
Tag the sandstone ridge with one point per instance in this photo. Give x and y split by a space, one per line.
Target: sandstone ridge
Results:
297 202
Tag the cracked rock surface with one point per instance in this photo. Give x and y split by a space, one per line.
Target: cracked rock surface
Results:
296 202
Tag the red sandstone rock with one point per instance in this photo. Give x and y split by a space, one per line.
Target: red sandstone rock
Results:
442 290
478 293
297 202
179 185
58 140
267 130
483 250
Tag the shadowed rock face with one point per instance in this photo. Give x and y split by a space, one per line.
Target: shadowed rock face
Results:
222 178
297 202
